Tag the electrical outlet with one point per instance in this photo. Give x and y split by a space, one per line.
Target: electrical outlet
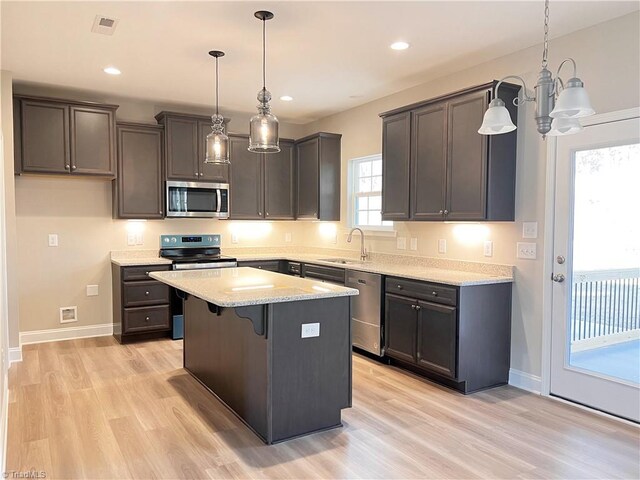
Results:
287 237
310 330
139 238
442 246
53 239
401 243
414 244
131 239
488 248
529 229
92 290
234 238
527 251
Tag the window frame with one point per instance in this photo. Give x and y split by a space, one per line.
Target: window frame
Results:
353 177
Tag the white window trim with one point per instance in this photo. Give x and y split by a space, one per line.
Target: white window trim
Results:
378 230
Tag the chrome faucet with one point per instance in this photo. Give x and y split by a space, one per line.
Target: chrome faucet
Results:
363 252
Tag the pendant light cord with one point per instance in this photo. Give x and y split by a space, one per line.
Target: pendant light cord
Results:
545 49
264 54
217 86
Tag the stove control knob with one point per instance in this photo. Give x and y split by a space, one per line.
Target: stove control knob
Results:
209 239
166 240
174 240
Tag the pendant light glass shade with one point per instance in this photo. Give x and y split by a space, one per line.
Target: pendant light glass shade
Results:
217 146
564 126
263 127
496 119
573 101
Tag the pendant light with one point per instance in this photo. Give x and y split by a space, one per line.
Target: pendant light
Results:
263 127
552 118
217 141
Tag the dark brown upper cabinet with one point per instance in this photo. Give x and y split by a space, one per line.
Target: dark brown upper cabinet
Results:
185 147
318 177
138 191
437 166
262 185
64 136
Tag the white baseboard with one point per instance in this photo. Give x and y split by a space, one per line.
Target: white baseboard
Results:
15 355
69 333
525 381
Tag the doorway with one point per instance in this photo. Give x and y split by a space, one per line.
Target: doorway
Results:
595 325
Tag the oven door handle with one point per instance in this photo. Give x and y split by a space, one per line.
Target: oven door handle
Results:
219 196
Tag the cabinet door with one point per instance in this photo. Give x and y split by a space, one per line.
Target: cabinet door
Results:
139 183
246 181
279 184
467 158
308 161
396 135
209 172
428 162
44 137
92 141
437 338
182 149
401 321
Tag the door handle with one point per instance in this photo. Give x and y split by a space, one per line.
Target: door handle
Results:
558 277
362 282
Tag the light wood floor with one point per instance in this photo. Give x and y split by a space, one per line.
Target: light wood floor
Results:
95 409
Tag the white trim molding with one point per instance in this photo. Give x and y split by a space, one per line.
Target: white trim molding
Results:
69 333
525 381
15 355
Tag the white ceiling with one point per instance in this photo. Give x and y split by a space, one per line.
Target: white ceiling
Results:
330 56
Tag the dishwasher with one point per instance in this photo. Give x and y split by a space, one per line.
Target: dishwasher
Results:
366 311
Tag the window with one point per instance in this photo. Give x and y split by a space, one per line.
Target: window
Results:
365 194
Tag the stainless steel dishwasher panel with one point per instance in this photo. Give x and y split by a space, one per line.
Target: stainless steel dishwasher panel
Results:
366 311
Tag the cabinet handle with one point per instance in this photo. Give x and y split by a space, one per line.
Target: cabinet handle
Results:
413 307
399 287
160 212
446 212
259 213
418 307
267 214
146 293
146 319
197 174
66 167
435 294
441 212
146 273
73 167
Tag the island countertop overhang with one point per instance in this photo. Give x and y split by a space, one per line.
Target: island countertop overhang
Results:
242 286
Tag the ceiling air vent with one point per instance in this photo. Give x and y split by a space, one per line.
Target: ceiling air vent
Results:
104 25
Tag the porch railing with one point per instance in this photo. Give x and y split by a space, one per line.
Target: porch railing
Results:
605 302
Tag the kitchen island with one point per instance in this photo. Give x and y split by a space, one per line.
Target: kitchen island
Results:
274 349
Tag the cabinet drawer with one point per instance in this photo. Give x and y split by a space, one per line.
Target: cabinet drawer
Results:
138 294
294 268
141 272
270 265
330 274
424 291
146 319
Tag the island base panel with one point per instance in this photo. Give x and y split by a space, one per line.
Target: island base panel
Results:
281 385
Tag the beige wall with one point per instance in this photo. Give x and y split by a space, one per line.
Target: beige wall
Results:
608 62
79 210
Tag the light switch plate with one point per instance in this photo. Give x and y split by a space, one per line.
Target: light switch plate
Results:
234 238
139 238
488 248
526 250
287 237
414 244
131 239
442 246
401 243
53 239
529 229
310 330
92 290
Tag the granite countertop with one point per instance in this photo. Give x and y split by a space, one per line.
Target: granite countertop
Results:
416 272
237 287
134 262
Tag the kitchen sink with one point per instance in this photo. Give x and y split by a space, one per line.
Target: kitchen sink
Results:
342 261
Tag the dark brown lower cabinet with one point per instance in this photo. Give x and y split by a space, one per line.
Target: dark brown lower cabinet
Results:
269 265
458 336
141 305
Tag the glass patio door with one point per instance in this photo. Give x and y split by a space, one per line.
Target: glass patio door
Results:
595 338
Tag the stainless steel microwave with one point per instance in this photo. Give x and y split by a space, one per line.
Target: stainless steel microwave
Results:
198 199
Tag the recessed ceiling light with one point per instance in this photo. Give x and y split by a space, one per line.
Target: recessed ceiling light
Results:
286 98
112 71
399 46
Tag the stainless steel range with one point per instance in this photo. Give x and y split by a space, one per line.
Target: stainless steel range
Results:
194 252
